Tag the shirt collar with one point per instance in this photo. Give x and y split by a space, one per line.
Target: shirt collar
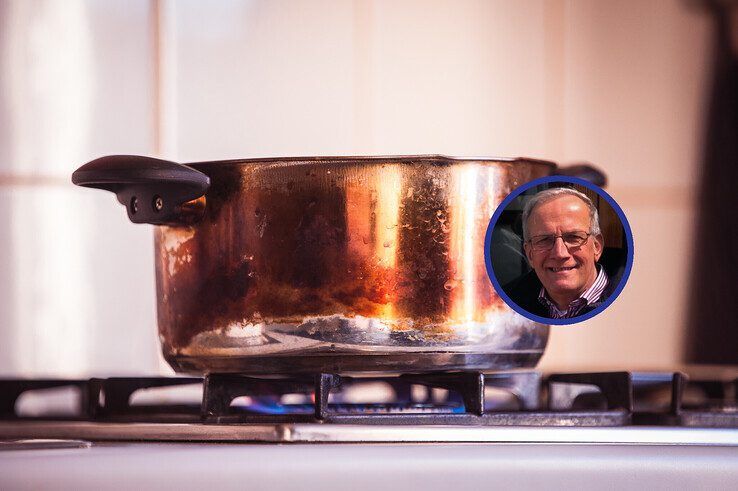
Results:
591 295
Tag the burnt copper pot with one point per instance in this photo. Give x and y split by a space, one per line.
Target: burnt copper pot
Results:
334 264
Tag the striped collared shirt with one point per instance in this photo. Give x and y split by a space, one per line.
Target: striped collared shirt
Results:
591 295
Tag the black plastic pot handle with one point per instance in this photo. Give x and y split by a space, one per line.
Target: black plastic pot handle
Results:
152 190
585 171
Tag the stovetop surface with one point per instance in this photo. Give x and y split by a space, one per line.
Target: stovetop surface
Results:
438 466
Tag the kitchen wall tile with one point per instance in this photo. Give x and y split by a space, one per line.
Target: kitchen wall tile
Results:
258 78
275 78
77 285
78 80
635 88
463 78
635 83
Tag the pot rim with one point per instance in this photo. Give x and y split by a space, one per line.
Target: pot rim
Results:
374 159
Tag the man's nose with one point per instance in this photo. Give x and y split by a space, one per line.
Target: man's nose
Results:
559 248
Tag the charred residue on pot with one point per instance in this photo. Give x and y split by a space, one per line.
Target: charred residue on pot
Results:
423 271
320 235
225 184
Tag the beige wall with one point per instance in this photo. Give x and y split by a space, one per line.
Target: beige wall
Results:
76 284
616 83
634 81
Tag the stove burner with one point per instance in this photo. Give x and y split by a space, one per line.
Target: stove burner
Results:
522 398
257 408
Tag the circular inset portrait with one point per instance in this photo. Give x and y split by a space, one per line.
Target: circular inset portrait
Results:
559 250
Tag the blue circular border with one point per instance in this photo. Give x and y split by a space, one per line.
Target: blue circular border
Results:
496 216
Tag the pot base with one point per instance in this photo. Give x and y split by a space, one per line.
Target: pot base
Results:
355 363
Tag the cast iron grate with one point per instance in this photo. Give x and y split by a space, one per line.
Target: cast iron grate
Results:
574 399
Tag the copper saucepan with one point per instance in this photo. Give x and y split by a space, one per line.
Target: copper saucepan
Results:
328 264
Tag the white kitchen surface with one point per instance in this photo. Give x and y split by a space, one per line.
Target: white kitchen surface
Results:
372 467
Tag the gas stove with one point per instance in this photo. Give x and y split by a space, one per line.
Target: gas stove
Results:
647 407
523 429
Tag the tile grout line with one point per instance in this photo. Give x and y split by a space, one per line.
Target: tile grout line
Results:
22 180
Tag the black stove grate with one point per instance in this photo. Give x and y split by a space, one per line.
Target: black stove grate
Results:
473 398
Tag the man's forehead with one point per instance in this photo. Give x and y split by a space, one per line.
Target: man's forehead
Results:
561 207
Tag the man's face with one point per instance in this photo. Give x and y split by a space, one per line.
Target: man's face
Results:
565 273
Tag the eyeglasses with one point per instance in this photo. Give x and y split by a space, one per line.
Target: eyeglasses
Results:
546 242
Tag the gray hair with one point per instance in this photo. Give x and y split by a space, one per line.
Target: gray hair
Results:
549 194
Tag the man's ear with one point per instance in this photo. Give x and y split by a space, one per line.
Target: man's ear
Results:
599 245
528 252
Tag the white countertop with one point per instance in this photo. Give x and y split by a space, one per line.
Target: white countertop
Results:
442 466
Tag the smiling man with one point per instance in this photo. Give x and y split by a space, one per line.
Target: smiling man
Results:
562 242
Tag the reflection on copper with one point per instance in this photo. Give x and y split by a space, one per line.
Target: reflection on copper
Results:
464 248
192 211
497 186
387 185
